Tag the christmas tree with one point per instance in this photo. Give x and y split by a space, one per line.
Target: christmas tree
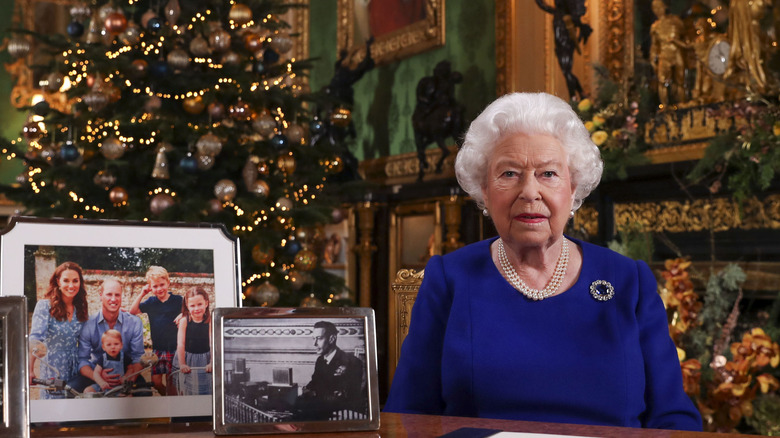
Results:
185 111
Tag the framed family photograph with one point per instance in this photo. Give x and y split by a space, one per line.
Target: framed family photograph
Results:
120 314
282 370
14 412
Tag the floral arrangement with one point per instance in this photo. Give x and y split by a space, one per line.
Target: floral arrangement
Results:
732 383
746 157
614 126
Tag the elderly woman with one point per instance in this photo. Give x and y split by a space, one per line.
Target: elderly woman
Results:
534 325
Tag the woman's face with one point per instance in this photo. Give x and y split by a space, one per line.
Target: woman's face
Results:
528 191
69 283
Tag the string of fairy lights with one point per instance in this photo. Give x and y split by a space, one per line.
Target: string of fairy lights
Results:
103 132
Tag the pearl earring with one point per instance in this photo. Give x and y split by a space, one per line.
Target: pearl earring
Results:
485 212
571 213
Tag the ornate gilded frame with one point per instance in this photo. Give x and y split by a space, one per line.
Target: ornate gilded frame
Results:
402 43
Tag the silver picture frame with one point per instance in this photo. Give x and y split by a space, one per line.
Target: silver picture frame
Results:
276 371
30 250
14 408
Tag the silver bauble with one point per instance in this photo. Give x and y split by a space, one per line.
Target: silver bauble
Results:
265 295
178 59
225 190
112 148
19 47
281 43
199 46
205 162
264 124
132 35
209 144
219 40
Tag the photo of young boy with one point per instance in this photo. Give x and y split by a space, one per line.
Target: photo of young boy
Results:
162 309
112 358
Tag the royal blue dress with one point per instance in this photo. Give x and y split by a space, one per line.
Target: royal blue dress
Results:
61 339
477 347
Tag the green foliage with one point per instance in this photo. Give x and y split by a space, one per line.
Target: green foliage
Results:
766 415
633 242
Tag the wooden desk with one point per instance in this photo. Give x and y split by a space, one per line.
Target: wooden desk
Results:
392 426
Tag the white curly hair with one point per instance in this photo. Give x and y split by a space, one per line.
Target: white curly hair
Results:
533 114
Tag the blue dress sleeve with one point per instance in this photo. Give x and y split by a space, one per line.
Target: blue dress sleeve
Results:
416 386
40 320
668 407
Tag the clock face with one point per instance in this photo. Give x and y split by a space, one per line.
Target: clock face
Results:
718 57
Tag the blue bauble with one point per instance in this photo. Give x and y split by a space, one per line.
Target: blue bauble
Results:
75 29
154 24
317 126
279 141
270 57
189 164
69 152
160 69
292 248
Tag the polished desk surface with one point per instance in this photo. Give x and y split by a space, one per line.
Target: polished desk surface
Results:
392 426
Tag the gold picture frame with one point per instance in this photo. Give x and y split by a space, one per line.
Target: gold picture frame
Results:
398 38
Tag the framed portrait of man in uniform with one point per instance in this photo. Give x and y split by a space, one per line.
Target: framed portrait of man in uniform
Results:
294 370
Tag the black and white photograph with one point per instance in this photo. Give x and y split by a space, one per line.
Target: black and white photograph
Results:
116 330
295 370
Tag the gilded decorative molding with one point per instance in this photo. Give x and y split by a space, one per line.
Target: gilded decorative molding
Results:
405 286
685 125
504 53
403 168
619 38
720 214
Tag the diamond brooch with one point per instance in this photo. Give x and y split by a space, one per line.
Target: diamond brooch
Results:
602 290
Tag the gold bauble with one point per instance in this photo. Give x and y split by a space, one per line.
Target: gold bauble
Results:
219 40
305 260
260 188
240 13
115 23
112 148
194 105
286 163
179 59
199 46
117 195
262 255
161 202
209 144
225 190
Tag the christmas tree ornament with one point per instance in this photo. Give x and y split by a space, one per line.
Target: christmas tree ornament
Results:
160 169
188 163
19 47
21 179
54 81
95 30
216 110
279 141
80 12
153 103
305 260
240 14
215 206
252 42
154 25
284 204
138 68
317 126
115 23
262 255
241 111
178 59
199 46
160 68
132 35
104 179
69 152
311 301
231 58
48 153
41 108
263 169
96 99
117 195
112 148
264 124
161 202
336 165
270 56
32 131
106 10
194 104
341 117
249 171
75 29
219 40
172 12
225 190
337 215
286 163
295 134
266 295
281 42
292 247
260 188
205 162
297 279
209 144
113 93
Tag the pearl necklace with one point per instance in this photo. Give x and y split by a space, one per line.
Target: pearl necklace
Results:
535 294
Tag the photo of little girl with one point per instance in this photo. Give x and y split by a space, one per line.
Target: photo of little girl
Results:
192 361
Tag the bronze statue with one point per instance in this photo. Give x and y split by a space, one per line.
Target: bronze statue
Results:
666 54
567 19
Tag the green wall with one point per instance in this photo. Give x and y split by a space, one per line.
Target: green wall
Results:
385 96
11 119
